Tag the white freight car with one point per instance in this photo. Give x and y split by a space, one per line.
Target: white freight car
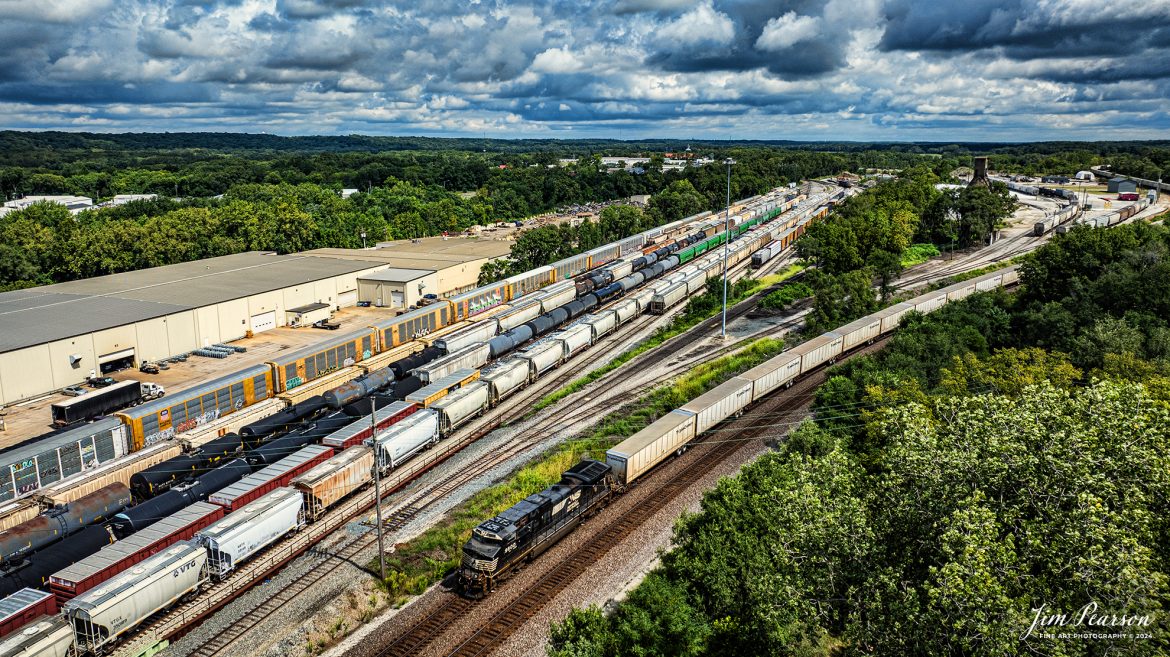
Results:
47 636
457 408
542 357
625 310
822 349
600 323
862 330
468 358
668 435
505 378
778 371
404 439
481 331
557 298
246 531
723 401
521 311
890 317
101 615
574 339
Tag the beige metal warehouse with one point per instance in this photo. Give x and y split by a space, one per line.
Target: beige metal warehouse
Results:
397 288
56 335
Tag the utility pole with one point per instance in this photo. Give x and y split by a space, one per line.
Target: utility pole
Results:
726 242
377 486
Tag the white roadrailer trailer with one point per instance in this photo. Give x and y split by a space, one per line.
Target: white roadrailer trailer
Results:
822 349
99 616
255 526
779 371
891 316
524 310
668 435
460 406
625 310
542 357
481 331
506 377
725 400
469 358
47 636
574 339
866 329
961 290
600 323
404 439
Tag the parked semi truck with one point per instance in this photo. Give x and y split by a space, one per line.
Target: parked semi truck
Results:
104 401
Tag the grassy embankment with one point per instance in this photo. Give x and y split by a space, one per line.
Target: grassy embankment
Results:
698 309
415 565
918 254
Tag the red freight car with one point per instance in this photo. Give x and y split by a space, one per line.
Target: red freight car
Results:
354 433
117 557
23 606
277 475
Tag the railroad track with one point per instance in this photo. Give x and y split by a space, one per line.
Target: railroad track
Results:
400 516
656 492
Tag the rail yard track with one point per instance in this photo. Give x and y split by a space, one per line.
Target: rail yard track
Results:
654 493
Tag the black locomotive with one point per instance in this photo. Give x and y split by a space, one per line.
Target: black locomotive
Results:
531 526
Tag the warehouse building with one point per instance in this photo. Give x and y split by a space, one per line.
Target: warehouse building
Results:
416 268
1122 186
56 335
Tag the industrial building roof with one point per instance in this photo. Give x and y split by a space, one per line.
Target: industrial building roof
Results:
54 312
396 275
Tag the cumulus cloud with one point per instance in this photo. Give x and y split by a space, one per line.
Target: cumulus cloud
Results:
887 69
788 30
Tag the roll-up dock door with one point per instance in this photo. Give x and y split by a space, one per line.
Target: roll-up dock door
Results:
264 321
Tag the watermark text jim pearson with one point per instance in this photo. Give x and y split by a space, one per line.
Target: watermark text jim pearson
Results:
1086 616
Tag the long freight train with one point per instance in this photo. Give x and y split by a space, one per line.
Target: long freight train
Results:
403 429
535 523
508 302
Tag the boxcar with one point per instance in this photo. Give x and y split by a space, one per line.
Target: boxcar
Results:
416 323
23 607
635 455
327 483
186 410
118 557
270 477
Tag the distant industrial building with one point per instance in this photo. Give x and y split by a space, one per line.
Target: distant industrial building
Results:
74 204
1122 185
56 335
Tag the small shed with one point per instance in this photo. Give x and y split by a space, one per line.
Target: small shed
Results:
1086 175
307 314
1122 186
397 287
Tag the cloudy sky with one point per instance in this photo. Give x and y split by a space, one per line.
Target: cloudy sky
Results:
771 69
